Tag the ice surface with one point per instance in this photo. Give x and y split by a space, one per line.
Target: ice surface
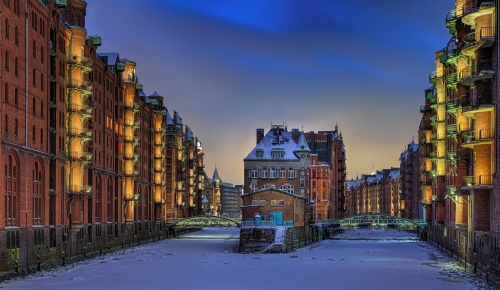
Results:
371 259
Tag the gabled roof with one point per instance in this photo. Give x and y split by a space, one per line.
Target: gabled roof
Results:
189 133
271 142
126 60
302 144
154 95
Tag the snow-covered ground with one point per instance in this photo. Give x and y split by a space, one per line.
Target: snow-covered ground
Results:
371 259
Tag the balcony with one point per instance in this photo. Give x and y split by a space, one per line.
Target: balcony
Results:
424 109
452 80
436 156
477 182
132 106
451 131
484 70
464 127
83 86
96 40
131 173
437 138
434 78
84 110
80 156
452 190
79 190
79 132
473 9
483 103
84 63
478 137
483 38
132 157
452 106
451 19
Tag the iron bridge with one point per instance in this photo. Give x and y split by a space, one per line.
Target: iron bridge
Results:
375 220
204 222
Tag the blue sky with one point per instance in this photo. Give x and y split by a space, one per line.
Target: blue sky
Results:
229 67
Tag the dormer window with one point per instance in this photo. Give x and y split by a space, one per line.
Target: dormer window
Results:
260 153
278 153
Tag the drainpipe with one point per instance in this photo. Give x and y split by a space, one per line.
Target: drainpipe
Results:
497 79
26 122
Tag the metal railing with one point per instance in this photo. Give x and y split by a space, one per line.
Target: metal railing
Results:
80 60
79 132
83 109
251 224
80 85
476 136
79 189
477 180
477 102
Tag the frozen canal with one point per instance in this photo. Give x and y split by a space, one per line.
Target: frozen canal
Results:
363 259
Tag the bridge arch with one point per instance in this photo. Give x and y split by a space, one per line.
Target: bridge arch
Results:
205 222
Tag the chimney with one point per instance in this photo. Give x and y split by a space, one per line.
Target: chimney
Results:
295 134
260 134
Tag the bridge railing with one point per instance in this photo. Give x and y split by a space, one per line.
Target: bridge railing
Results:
251 224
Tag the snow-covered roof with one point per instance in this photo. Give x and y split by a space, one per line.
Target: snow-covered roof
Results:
177 117
189 133
112 57
283 141
154 95
169 119
126 60
394 174
142 94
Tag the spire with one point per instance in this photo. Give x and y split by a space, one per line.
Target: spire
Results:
216 174
302 144
336 127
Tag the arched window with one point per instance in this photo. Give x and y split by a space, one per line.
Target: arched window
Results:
16 97
16 71
11 198
15 127
253 187
263 173
97 199
254 172
109 210
283 173
6 93
291 173
272 172
34 134
6 124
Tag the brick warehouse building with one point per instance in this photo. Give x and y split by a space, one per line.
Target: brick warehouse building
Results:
459 139
329 147
376 192
276 177
89 159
